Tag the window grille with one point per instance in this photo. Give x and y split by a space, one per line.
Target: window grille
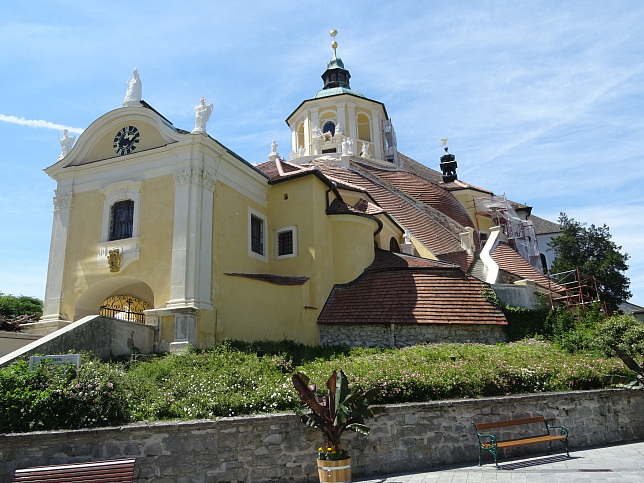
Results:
257 234
121 220
125 307
285 243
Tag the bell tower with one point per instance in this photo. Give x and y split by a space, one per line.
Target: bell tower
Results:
340 122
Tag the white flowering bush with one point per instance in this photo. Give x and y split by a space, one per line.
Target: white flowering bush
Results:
243 378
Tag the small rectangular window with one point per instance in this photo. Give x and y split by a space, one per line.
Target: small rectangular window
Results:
257 234
286 242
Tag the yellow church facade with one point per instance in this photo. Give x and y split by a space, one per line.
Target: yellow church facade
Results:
207 230
346 241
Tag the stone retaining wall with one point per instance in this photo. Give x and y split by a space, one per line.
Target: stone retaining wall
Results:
278 447
404 335
106 337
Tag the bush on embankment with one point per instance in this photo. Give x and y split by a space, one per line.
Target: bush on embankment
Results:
243 378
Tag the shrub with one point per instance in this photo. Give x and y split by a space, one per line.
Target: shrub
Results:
525 323
575 330
228 380
57 397
12 306
220 382
622 331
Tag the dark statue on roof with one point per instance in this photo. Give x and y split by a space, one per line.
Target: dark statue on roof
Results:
448 164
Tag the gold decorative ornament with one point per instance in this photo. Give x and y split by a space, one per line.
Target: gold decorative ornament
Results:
114 260
334 44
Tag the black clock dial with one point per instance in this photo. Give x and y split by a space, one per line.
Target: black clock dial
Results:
126 140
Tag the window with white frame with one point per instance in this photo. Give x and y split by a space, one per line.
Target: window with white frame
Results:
121 220
121 211
256 235
286 242
120 227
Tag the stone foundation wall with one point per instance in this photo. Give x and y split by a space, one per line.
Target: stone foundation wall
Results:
278 447
402 335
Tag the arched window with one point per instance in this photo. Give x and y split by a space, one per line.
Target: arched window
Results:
300 137
364 127
328 126
121 220
393 245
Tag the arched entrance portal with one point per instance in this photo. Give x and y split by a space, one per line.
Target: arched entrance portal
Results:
125 307
110 297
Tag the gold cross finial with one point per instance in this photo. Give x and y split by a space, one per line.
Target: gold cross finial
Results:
444 141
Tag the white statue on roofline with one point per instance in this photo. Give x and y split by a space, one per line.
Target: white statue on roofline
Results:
202 115
134 89
66 143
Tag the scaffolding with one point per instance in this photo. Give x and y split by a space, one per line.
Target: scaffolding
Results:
573 289
519 233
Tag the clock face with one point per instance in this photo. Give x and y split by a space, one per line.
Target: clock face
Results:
126 140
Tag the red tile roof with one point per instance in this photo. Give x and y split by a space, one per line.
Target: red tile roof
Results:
416 198
429 193
510 261
431 294
386 259
270 278
269 168
432 228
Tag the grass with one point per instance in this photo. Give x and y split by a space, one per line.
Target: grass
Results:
244 378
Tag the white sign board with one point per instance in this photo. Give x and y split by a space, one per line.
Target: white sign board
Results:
55 359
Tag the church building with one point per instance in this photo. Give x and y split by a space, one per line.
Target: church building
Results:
347 241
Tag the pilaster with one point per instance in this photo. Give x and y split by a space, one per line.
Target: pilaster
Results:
192 237
57 251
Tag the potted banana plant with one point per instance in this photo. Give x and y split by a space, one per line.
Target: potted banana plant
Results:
338 411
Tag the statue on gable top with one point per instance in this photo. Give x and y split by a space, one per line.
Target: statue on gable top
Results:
66 143
134 90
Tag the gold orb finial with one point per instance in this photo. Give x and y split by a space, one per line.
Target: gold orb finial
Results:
334 44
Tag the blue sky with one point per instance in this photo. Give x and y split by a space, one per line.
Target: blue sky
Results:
542 100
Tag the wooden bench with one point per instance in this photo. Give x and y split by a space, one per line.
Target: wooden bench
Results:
491 442
116 471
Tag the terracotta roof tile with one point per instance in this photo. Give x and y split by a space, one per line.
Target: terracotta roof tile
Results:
270 278
386 259
437 235
269 168
367 207
460 258
510 261
438 294
425 192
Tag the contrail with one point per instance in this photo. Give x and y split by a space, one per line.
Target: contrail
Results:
37 123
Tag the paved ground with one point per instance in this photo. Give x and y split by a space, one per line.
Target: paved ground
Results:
622 463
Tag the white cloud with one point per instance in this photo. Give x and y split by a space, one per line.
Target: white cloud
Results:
39 123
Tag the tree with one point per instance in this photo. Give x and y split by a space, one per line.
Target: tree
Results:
11 306
592 251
